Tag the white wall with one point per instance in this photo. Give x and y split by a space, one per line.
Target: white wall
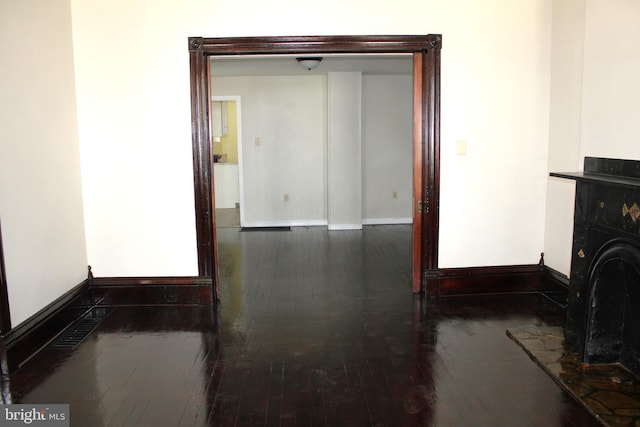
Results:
594 102
344 141
611 92
40 191
387 149
495 96
132 85
288 116
567 60
134 119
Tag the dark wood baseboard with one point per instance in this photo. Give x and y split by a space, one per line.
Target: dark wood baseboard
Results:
29 337
498 280
555 285
126 291
483 280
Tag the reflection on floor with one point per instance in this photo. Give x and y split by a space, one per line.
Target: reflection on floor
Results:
608 391
228 218
316 328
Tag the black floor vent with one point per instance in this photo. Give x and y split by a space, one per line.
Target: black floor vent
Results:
265 229
78 332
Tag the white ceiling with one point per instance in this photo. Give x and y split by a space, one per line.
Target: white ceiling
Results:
287 65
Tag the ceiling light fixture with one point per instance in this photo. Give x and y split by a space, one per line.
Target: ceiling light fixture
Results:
309 62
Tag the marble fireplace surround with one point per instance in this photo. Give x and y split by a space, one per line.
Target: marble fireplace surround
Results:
603 304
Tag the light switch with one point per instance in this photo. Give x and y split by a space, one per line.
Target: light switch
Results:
461 147
257 141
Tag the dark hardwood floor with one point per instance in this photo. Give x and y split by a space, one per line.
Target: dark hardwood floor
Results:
316 328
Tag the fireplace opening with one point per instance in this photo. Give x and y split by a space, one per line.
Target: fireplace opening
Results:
613 320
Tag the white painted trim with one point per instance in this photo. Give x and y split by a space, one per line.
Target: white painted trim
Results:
239 129
386 221
336 227
299 223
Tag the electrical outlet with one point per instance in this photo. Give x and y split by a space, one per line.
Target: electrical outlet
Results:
395 195
170 296
257 141
286 197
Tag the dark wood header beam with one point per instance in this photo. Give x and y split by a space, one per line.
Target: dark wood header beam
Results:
318 44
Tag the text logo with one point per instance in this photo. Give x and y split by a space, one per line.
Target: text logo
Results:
34 415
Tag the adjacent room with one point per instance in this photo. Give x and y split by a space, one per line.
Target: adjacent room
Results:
290 172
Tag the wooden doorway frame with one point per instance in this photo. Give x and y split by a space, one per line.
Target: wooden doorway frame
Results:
426 131
5 316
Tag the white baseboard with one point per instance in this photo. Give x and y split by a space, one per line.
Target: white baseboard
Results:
297 223
335 227
323 223
387 221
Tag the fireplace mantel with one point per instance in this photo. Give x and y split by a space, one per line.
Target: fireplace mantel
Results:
598 170
599 178
606 241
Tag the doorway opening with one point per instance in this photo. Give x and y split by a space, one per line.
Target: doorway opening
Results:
228 175
301 169
425 129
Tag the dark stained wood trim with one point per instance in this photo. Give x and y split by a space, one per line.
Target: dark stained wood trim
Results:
432 169
553 279
145 291
555 285
5 326
5 381
319 44
152 281
428 46
485 280
153 295
427 191
5 314
202 158
29 337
